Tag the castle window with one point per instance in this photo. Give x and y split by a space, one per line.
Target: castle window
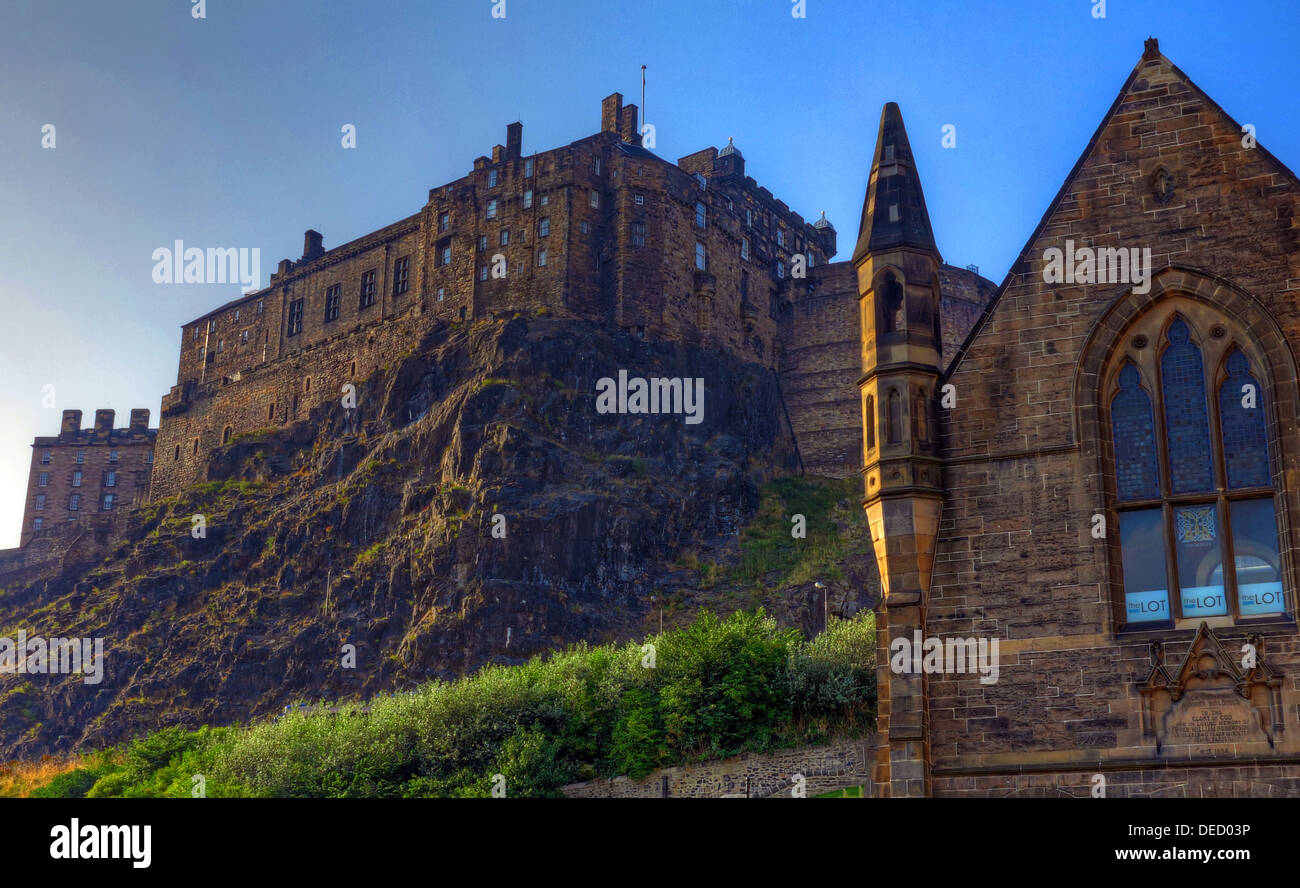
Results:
177 457
894 418
528 199
194 333
353 371
112 456
780 237
221 346
226 434
107 503
462 312
260 305
38 523
368 288
482 242
110 479
44 480
74 502
541 257
544 227
528 167
81 457
40 502
444 221
295 318
597 165
212 325
744 283
1193 486
306 385
196 445
920 428
811 259
891 304
701 258
523 236
583 227
869 416
780 269
492 209
76 479
744 248
505 237
442 293
148 457
202 352
445 255
482 272
236 314
638 234
595 198
749 218
638 199
243 338
402 276
546 200
270 414
699 215
493 179
701 181
45 458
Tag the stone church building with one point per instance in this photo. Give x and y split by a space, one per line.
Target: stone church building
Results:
1102 487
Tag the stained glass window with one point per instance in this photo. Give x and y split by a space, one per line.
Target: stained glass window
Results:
1136 468
1187 424
1241 416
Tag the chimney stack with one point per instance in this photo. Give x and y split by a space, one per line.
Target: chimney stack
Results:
139 420
514 140
610 109
627 125
311 245
71 424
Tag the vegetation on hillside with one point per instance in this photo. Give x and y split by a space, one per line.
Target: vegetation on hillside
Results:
711 689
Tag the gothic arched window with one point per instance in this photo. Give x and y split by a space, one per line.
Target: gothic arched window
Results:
891 304
1193 486
869 415
894 418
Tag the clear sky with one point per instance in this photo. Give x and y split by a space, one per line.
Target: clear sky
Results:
225 132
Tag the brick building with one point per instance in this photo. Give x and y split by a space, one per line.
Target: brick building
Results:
1111 496
601 228
84 479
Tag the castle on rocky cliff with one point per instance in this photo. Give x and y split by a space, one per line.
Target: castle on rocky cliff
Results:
601 229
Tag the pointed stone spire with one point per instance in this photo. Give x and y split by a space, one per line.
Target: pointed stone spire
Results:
893 214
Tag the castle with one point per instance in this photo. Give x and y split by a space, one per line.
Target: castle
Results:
601 229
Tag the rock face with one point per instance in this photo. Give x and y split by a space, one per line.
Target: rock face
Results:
474 508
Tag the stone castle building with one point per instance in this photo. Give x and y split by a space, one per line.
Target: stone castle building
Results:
1103 480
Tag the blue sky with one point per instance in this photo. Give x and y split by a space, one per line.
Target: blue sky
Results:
225 131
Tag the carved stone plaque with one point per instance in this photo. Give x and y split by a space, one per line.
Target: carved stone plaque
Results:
1213 722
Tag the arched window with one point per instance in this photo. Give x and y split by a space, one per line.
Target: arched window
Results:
869 415
920 428
1198 533
894 418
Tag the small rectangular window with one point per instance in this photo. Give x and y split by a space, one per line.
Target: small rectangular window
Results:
701 259
528 167
544 227
638 234
402 276
444 221
638 199
45 458
38 523
40 502
76 479
295 318
749 218
112 456
744 248
442 293
444 255
260 305
505 237
541 257
699 215
595 198
584 227
482 272
333 302
492 209
221 346
110 479
597 165
108 502
368 288
528 200
703 183
482 242
81 457
74 502
44 480
780 269
243 338
780 237
236 314
492 179
546 200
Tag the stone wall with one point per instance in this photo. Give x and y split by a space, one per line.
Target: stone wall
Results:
825 768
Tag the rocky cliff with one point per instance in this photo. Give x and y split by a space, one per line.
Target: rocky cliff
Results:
474 507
